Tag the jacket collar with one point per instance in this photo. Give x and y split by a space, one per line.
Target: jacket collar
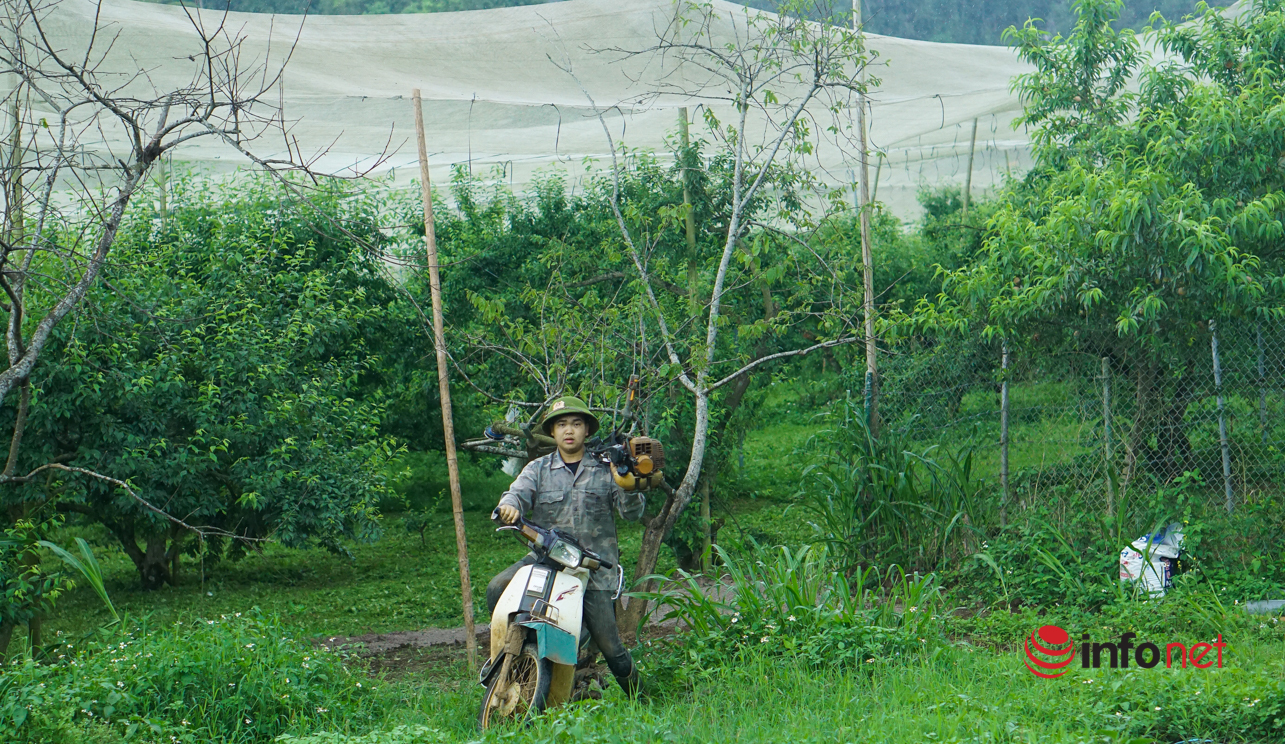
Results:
555 460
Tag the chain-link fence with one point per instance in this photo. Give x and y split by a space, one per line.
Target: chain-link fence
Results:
1080 431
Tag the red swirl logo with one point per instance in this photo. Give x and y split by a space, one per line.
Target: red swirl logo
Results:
1049 641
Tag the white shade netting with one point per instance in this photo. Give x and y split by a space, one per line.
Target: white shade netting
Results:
499 98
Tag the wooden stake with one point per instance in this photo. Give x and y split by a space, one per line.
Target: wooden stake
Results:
968 176
1003 438
444 384
1223 442
867 259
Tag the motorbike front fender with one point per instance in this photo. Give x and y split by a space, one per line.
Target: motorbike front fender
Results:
554 643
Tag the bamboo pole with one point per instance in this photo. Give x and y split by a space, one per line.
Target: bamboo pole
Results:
1222 417
968 175
867 259
874 190
1003 437
443 383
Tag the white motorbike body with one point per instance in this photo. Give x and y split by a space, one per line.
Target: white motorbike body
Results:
554 599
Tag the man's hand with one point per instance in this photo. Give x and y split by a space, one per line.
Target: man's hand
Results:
508 514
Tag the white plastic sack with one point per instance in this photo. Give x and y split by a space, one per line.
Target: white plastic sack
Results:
1149 560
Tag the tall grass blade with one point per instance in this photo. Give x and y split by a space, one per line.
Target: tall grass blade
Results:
88 567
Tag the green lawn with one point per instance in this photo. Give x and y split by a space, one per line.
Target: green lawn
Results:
390 585
961 694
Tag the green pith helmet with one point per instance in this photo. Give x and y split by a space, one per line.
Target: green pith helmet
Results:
568 404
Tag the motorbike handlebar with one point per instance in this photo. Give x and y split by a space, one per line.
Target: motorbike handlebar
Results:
534 533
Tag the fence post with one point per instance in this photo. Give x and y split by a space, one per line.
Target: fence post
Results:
1106 432
1003 437
1262 385
968 176
1222 417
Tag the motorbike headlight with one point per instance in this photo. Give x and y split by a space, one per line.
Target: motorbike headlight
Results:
567 555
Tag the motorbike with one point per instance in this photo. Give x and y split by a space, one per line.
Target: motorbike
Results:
536 628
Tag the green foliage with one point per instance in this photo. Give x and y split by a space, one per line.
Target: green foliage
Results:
788 602
243 380
877 500
421 483
1150 221
231 679
87 566
27 588
1228 558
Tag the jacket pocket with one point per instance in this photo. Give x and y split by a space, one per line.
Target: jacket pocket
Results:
550 497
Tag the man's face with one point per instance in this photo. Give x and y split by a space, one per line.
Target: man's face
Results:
569 432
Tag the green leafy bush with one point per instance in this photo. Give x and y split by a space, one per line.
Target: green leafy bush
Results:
874 498
239 678
789 602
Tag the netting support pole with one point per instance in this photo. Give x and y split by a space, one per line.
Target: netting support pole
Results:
968 175
867 259
1222 417
1106 433
1262 384
1003 437
874 190
444 385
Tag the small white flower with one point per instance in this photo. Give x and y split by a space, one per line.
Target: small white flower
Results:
790 619
1157 707
763 640
249 645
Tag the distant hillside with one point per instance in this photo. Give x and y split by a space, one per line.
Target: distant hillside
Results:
964 21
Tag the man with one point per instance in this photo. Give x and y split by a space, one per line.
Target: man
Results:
567 491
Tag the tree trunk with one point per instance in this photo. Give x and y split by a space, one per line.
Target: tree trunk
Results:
152 564
1173 456
1135 444
663 523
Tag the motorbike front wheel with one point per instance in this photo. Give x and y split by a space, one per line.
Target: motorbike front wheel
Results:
519 693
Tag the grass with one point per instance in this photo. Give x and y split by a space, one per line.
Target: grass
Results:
390 585
960 694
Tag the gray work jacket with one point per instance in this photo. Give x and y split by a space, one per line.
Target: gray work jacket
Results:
548 494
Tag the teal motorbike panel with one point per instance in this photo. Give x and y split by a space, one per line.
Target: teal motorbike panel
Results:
554 643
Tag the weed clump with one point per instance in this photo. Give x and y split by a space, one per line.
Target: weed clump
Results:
790 603
236 678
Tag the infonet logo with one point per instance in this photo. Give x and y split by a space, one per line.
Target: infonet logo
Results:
1050 651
